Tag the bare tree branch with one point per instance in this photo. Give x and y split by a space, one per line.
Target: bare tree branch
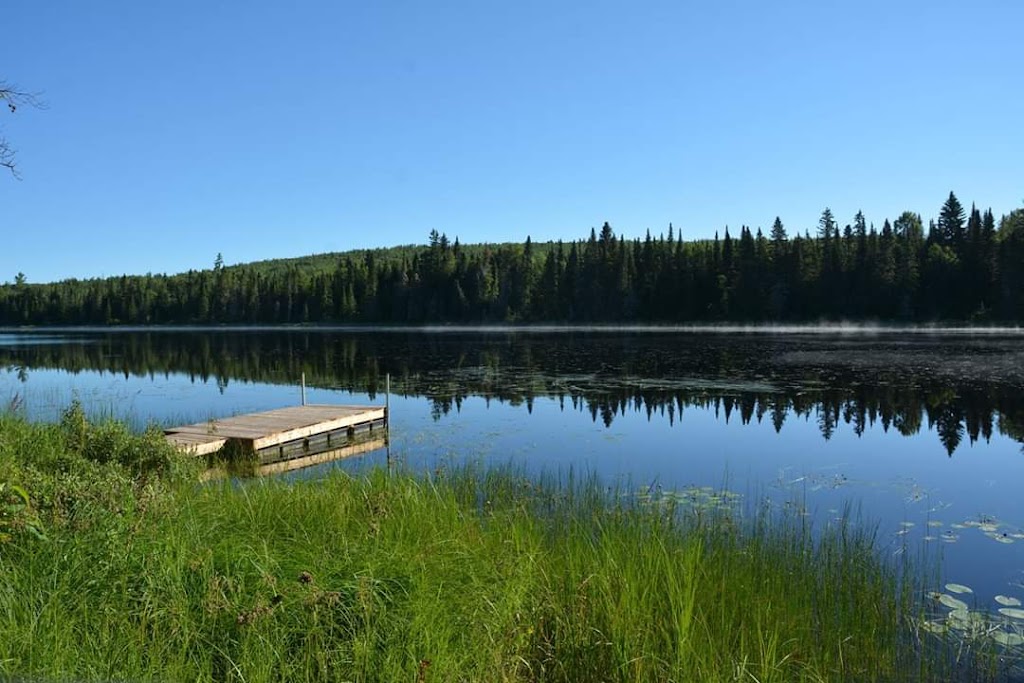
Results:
12 98
7 158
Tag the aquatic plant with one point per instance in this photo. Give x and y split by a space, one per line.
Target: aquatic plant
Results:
465 574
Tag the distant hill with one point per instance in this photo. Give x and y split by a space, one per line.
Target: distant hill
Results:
963 268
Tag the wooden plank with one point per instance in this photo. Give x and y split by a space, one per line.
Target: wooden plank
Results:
291 418
272 427
226 431
308 430
190 439
198 448
288 418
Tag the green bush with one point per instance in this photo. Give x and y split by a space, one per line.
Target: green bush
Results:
84 476
16 513
113 442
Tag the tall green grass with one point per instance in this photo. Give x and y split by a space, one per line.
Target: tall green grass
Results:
469 576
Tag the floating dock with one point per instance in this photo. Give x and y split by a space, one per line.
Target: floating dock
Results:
283 434
359 447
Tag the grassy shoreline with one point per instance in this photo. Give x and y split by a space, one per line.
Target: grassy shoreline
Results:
122 567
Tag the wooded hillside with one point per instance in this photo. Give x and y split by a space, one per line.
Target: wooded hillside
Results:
961 267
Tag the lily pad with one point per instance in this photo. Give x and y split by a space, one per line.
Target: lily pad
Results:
955 604
962 615
972 623
1007 601
1008 639
934 627
1012 612
1000 538
958 588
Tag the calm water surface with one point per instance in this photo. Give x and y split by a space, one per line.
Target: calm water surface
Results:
923 432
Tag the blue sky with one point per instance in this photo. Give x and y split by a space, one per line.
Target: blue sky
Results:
177 130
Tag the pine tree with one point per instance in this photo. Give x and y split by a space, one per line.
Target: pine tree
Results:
951 222
778 233
826 224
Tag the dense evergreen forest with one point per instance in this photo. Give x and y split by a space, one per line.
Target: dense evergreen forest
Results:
963 267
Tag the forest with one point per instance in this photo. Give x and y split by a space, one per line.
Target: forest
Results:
962 267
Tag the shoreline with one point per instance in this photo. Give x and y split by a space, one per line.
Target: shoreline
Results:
826 329
485 573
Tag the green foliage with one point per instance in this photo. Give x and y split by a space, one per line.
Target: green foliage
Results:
951 221
113 442
472 575
1012 225
84 476
75 427
855 273
16 513
234 459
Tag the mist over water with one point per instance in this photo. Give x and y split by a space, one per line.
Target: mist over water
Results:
20 335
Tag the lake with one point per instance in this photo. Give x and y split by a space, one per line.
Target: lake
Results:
920 432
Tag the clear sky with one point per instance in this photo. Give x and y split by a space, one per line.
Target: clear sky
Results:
177 130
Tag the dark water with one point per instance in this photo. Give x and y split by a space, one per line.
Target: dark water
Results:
923 432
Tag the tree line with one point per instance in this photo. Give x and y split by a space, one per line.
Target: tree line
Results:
963 266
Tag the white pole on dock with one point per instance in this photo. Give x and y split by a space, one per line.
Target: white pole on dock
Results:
387 416
303 388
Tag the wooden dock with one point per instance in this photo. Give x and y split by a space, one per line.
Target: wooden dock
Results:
357 447
277 435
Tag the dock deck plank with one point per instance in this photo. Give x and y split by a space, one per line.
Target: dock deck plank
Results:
270 428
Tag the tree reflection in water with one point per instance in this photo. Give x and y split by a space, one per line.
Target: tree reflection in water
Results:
956 386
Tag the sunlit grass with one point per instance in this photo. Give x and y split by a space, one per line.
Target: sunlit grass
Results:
468 575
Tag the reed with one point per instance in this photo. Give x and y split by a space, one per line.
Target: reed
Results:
467 575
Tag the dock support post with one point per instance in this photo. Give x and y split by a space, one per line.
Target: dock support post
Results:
303 388
387 416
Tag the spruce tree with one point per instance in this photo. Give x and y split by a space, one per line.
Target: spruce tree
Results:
778 234
826 224
951 222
